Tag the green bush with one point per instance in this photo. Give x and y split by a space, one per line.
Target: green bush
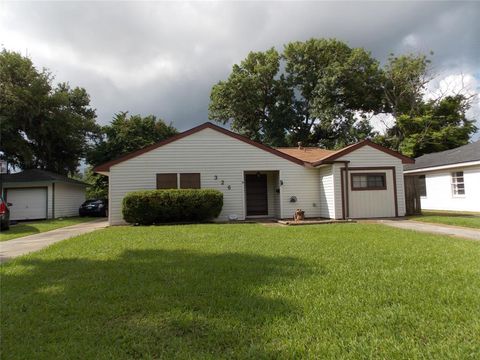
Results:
176 205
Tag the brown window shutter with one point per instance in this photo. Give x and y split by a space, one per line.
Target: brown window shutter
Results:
190 181
167 181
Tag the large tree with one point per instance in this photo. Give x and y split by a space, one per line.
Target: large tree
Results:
434 126
126 133
421 126
405 81
315 92
254 98
42 125
323 93
334 86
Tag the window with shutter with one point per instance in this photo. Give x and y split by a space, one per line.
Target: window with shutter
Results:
167 181
190 181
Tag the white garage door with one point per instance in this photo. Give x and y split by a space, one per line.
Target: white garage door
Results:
27 203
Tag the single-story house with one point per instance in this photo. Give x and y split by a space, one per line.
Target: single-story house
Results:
364 180
40 194
449 180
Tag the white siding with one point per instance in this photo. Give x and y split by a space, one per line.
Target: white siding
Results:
68 198
327 192
439 190
32 185
337 187
211 154
372 203
271 194
367 156
274 200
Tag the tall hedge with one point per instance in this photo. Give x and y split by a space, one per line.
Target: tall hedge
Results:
176 205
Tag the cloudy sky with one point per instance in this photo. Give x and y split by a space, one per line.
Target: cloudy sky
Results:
163 58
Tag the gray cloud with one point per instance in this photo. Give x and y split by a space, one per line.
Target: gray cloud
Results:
163 58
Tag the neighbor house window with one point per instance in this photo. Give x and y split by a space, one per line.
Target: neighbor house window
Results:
190 181
369 181
458 184
422 186
167 181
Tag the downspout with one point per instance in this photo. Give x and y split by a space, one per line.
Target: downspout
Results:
53 200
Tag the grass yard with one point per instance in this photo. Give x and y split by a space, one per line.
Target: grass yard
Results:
471 220
34 227
244 291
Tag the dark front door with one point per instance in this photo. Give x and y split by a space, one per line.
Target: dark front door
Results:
256 188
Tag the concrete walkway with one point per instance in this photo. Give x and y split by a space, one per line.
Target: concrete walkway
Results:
434 228
23 245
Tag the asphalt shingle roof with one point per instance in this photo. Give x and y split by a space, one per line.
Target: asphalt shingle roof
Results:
31 175
462 154
308 154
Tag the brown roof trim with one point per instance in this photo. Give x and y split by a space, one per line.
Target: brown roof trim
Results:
106 166
349 149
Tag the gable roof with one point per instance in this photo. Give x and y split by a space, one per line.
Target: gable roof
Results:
106 166
304 156
32 175
351 148
462 154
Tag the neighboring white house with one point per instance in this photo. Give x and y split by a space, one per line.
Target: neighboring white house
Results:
449 180
360 181
40 194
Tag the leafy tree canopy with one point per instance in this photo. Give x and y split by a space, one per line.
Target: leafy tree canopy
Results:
254 98
42 125
323 93
126 133
334 85
405 80
314 92
436 126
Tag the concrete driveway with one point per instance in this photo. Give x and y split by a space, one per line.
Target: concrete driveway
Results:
12 248
434 228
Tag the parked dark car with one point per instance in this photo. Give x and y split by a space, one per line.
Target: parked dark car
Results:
4 214
94 207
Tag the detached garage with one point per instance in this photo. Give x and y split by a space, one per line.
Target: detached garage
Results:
39 194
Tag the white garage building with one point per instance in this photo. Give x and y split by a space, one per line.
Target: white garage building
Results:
40 194
364 180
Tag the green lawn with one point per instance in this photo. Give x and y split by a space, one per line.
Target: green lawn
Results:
38 226
471 220
244 291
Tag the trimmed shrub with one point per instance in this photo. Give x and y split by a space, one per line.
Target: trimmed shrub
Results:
175 205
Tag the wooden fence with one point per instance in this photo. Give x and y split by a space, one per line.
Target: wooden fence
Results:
412 195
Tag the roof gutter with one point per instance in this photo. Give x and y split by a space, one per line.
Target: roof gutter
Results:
441 167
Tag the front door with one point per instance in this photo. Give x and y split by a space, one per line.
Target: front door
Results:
256 190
